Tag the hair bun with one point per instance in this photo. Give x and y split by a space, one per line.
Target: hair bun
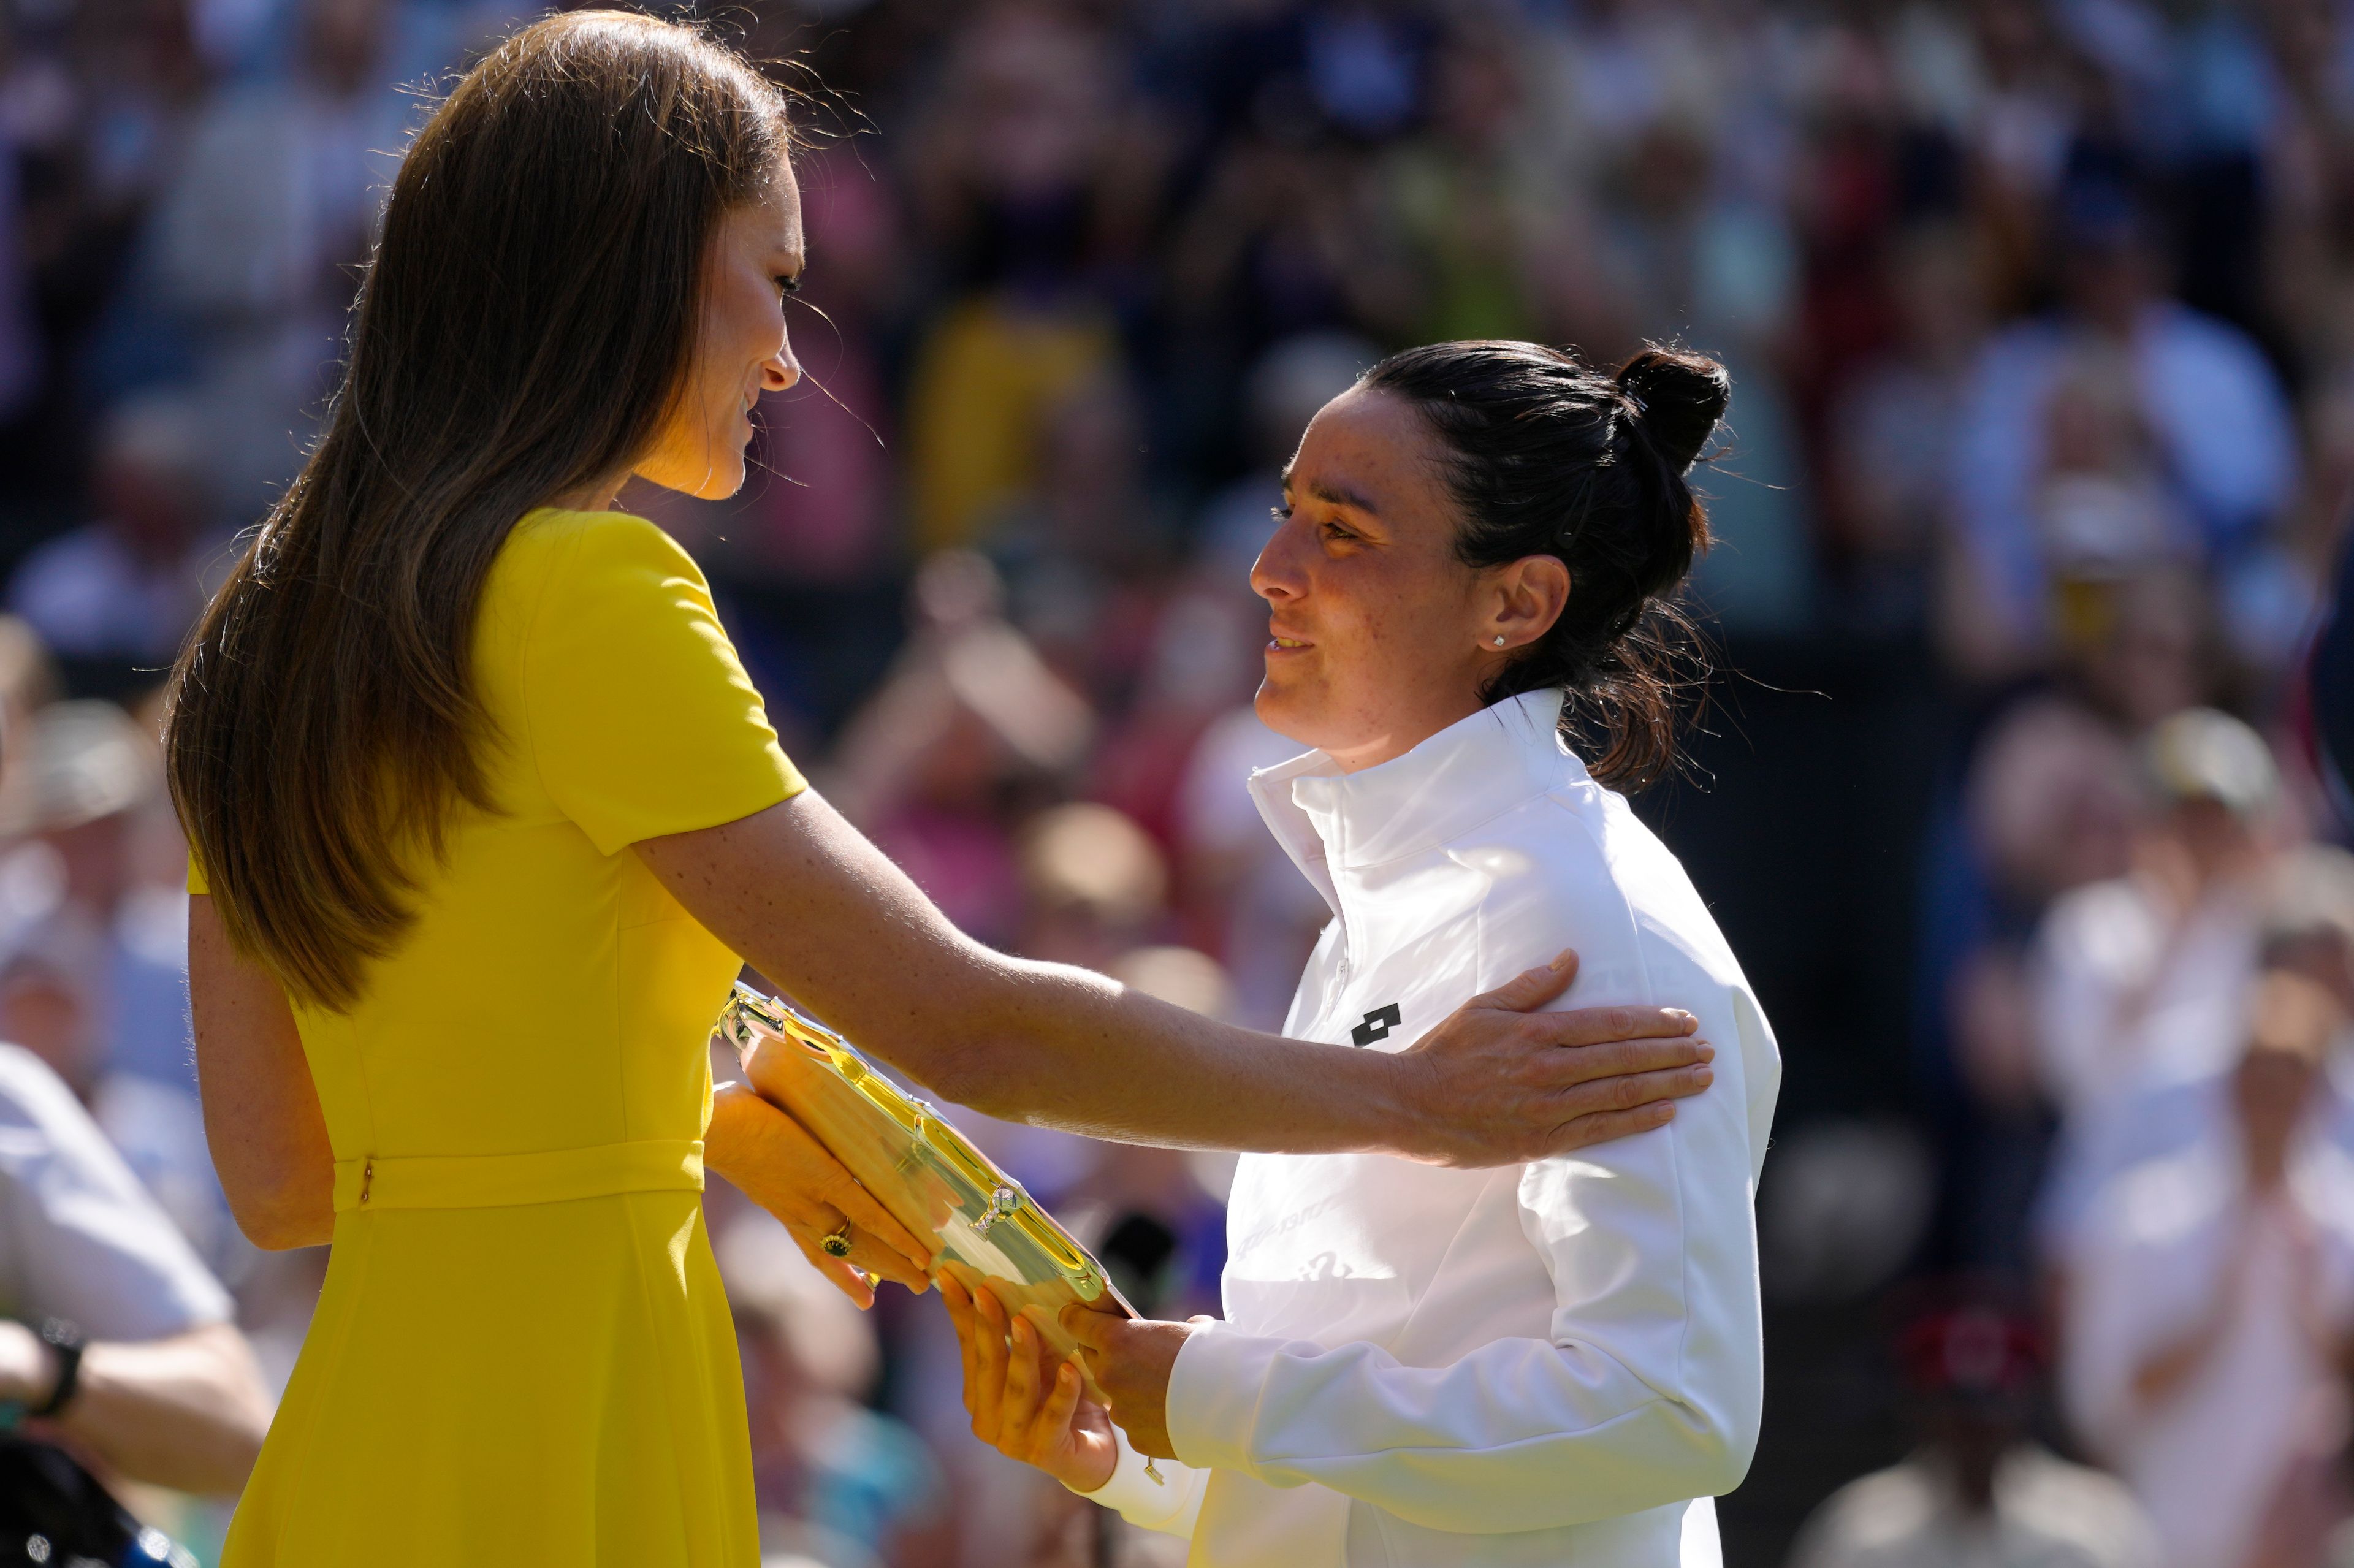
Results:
1680 398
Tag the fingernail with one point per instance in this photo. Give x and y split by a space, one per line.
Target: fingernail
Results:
1562 962
1679 1015
1703 1076
1707 1052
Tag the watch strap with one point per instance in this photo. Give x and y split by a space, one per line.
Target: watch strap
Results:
65 1338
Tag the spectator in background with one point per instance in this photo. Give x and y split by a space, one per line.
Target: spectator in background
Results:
2042 998
1094 887
28 681
2150 648
120 593
2305 922
848 1485
252 251
1024 175
2102 508
68 872
1892 433
1083 550
2047 805
970 729
2212 1293
1980 1492
2140 979
165 1390
1475 208
93 952
2216 418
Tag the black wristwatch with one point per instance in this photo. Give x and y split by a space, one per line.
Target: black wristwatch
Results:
62 1336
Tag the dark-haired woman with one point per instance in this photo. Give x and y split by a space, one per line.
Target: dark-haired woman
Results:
485 818
1423 1368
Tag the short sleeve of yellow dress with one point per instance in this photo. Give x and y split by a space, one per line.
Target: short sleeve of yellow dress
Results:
522 1354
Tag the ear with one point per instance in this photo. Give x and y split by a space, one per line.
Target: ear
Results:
1524 598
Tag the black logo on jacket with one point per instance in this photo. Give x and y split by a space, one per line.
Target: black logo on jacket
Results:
1377 1026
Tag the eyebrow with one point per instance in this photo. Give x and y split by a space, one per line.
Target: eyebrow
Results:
1335 495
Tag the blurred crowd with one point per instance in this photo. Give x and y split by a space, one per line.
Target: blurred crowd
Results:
2041 319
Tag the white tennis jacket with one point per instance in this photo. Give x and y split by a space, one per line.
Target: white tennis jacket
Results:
1548 1364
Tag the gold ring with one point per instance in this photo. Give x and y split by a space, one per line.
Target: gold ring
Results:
836 1242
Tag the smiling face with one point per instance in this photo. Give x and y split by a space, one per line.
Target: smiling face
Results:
754 260
1378 635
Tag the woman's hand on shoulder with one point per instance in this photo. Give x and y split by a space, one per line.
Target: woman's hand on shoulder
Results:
1024 1403
1499 1083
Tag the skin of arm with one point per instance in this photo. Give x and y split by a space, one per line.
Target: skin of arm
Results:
262 1120
809 903
188 1411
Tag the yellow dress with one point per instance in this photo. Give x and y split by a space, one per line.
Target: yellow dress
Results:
522 1354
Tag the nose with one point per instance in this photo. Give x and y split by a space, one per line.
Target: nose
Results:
780 372
1274 576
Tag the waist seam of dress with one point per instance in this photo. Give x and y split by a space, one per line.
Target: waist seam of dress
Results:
499 1180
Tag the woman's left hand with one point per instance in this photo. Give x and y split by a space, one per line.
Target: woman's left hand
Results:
1131 1360
794 1176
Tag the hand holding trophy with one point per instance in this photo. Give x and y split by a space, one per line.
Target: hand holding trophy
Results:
931 1187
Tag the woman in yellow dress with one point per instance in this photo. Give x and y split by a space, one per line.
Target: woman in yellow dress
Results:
486 816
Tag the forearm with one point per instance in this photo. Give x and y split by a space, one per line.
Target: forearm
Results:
189 1413
809 903
263 1121
281 1219
1519 1434
845 931
1062 1047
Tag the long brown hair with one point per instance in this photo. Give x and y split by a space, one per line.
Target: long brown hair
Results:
527 321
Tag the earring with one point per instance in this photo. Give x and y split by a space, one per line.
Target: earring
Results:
1499 640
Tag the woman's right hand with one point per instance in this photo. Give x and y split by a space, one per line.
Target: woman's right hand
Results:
794 1176
1025 1404
1499 1083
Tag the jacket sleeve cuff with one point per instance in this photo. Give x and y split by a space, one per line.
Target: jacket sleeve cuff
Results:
1215 1391
1167 1503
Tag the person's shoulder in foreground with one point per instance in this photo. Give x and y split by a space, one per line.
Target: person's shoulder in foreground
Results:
80 1237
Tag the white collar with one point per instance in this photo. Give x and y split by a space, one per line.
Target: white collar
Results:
1476 767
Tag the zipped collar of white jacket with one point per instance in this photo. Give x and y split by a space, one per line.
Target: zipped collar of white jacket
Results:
1476 768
